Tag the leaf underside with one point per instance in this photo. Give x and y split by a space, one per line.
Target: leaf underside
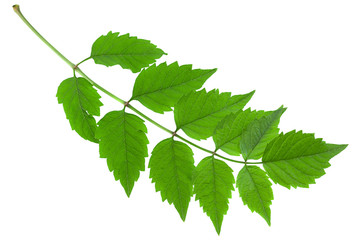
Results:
80 102
160 87
259 133
229 131
255 190
213 183
296 159
198 113
128 52
123 143
171 166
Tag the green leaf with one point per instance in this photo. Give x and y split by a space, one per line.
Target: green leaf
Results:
228 132
128 52
81 102
255 190
198 113
160 87
259 133
213 183
171 167
296 159
123 142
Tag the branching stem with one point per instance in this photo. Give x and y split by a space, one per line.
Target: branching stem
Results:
80 72
83 61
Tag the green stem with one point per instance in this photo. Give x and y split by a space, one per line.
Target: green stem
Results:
208 151
232 160
78 70
83 61
149 119
193 144
18 12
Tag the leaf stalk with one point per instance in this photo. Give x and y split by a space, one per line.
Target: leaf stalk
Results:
16 8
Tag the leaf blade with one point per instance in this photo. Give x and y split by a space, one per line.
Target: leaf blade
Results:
171 166
80 102
259 133
128 52
213 183
255 190
160 87
296 159
198 113
123 143
229 131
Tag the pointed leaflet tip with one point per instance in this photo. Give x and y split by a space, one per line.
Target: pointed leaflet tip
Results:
268 221
128 191
182 214
128 186
283 108
218 228
250 94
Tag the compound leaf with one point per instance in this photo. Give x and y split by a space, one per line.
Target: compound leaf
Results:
296 159
128 52
198 113
171 166
80 102
160 87
213 183
123 143
259 133
255 190
228 132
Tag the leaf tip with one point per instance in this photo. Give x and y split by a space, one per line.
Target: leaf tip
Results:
283 108
128 192
218 230
268 222
267 217
181 209
343 146
128 189
183 216
251 93
217 224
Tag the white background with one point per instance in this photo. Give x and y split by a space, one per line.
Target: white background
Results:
304 55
